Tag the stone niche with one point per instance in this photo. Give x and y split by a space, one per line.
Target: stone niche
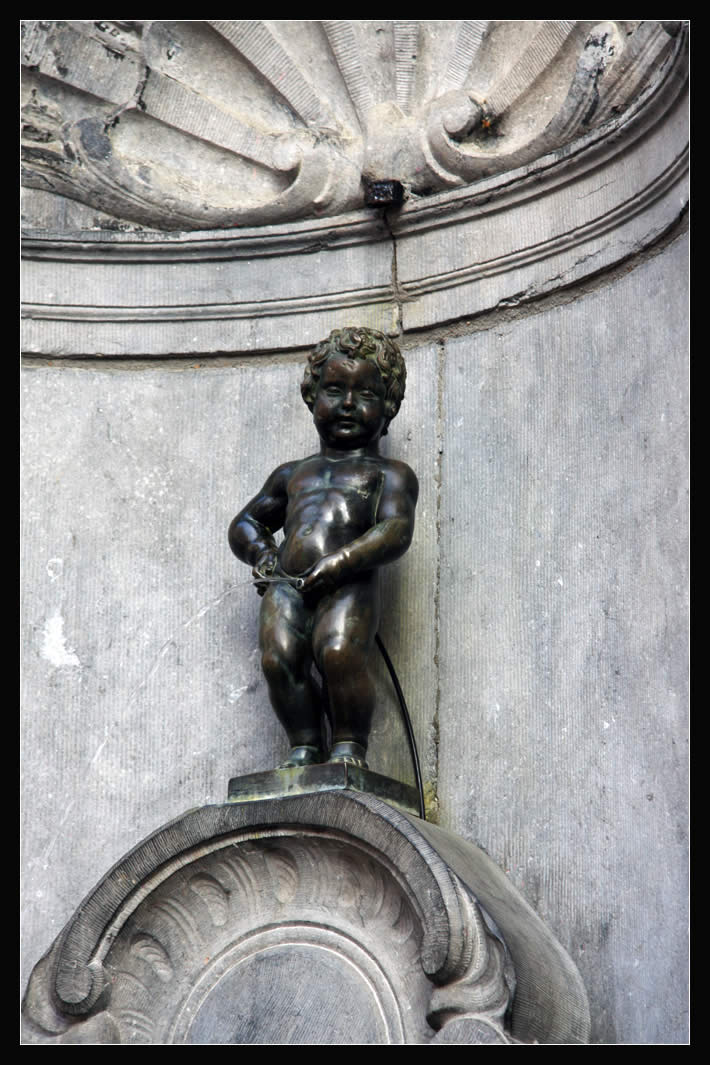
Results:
318 919
201 187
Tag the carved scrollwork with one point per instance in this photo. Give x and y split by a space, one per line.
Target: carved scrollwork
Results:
484 984
574 74
223 123
155 149
285 904
277 934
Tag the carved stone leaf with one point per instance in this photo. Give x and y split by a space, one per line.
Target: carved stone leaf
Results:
284 872
479 986
215 898
244 881
151 951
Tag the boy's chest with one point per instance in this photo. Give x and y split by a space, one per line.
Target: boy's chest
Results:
349 480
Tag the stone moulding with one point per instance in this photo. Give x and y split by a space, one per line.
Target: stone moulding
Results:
318 918
507 238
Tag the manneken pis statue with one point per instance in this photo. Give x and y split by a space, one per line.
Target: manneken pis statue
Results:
345 511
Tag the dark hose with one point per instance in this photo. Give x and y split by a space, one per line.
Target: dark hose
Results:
407 722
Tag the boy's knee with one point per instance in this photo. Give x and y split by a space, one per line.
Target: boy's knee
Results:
338 657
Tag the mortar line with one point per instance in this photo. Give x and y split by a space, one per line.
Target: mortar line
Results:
394 275
438 481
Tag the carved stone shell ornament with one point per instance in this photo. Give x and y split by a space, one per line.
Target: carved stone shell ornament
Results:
221 123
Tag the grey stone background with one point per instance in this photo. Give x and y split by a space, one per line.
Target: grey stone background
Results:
537 623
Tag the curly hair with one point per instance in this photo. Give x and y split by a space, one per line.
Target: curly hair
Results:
359 343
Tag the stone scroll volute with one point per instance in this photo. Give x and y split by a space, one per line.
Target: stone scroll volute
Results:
281 934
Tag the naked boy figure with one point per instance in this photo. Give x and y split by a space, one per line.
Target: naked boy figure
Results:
345 512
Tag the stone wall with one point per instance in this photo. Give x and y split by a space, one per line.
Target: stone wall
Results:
537 622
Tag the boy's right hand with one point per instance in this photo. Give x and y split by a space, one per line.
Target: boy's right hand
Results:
265 566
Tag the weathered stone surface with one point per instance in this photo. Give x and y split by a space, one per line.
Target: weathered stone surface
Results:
323 918
143 688
191 298
563 725
545 240
207 124
545 222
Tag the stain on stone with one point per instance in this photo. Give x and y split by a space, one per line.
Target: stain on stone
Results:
114 226
38 154
93 138
31 133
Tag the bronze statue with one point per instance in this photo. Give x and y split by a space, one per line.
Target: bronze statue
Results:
345 512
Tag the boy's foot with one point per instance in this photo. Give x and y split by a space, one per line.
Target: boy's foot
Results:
301 756
349 753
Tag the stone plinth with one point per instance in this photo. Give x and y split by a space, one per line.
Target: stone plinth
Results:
309 780
321 918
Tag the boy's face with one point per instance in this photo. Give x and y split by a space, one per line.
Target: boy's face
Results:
349 411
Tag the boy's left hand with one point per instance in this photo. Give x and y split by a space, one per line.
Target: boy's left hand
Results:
326 576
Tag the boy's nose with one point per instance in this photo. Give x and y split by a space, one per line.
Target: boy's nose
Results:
348 400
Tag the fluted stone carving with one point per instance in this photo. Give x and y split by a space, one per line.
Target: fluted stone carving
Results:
221 123
533 154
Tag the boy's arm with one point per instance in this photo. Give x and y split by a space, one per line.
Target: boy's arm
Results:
251 532
386 541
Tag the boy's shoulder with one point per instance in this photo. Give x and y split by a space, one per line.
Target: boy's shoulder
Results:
283 473
399 473
280 477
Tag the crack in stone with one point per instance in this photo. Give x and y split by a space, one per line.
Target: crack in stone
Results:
394 278
433 797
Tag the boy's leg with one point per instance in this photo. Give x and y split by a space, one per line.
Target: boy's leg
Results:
343 634
286 658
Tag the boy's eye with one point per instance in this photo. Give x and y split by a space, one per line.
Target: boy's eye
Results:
367 393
